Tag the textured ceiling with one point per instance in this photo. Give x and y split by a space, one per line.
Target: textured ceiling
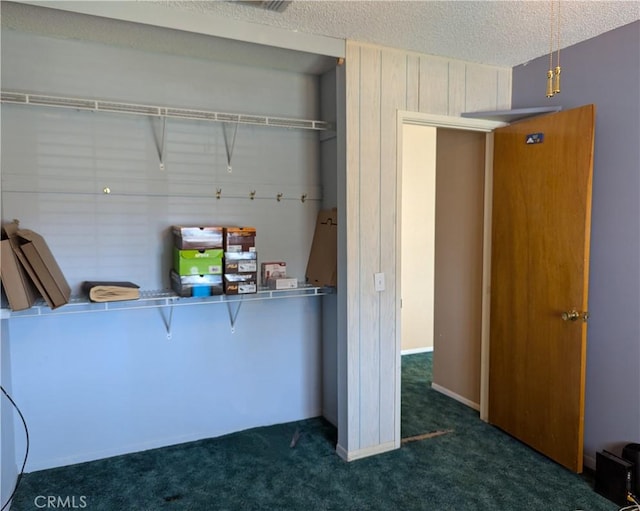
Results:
503 33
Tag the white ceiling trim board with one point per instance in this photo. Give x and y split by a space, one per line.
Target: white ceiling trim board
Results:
149 14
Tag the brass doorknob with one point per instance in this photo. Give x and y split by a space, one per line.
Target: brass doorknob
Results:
574 315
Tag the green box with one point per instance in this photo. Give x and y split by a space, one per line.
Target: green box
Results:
197 262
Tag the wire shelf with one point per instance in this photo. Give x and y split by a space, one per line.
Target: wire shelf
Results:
160 298
159 111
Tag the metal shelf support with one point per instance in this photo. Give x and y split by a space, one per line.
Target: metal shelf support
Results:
161 144
233 315
167 319
229 146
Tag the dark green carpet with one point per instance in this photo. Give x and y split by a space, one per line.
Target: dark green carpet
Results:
474 468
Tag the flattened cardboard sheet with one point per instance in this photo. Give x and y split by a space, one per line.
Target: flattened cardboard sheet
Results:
45 268
18 287
322 267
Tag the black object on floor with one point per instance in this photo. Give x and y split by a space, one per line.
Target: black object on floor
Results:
613 477
631 452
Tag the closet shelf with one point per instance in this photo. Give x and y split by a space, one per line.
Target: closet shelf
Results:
98 105
161 298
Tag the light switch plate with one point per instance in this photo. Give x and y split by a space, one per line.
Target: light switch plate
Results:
378 279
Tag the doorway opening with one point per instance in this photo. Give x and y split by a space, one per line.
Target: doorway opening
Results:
439 256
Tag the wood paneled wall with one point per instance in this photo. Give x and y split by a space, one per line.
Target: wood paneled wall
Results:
379 82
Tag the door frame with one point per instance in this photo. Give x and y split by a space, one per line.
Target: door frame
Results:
468 124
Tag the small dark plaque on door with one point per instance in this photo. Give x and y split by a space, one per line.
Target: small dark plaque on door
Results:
534 138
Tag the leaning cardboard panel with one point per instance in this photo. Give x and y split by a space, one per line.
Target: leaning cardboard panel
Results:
17 285
322 266
37 253
30 271
11 230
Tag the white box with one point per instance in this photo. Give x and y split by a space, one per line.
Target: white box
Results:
272 270
286 283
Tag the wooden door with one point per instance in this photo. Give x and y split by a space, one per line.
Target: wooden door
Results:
539 282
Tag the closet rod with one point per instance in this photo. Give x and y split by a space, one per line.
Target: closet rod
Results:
159 111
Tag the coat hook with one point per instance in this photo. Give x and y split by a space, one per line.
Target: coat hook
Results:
279 197
218 193
252 195
304 197
106 190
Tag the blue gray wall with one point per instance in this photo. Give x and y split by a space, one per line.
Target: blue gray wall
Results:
98 384
8 469
328 161
605 71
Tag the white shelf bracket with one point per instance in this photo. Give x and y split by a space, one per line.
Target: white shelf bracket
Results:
233 315
167 319
230 146
161 144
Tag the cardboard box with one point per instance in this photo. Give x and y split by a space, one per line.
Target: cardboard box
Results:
240 283
240 239
197 262
197 237
272 270
322 267
43 268
19 289
240 262
196 285
285 283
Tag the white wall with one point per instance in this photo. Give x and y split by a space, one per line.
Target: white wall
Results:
99 384
418 235
9 467
379 82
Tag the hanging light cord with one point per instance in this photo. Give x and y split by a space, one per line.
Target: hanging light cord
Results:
558 70
550 92
558 37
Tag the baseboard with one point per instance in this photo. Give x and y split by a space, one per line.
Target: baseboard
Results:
331 417
145 446
366 452
108 453
5 492
589 462
457 397
413 351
